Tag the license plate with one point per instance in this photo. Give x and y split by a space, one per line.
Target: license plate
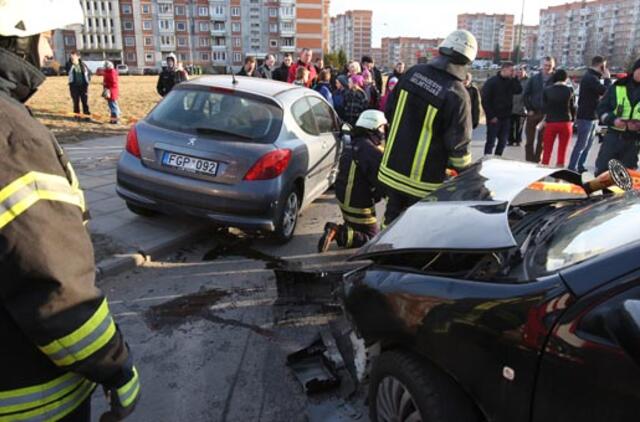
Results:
190 164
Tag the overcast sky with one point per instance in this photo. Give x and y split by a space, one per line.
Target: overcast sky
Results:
434 18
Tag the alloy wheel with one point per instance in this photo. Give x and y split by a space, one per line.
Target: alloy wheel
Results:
290 215
394 402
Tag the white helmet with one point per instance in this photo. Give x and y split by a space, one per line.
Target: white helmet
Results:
371 119
462 42
23 18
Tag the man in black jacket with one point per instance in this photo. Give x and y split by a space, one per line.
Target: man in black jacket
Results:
430 116
474 96
532 96
59 339
170 76
620 111
79 80
282 73
368 63
497 102
591 90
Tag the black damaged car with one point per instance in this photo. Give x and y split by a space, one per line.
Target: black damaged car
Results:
490 301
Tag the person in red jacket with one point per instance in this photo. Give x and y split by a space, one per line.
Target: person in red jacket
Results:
110 90
304 61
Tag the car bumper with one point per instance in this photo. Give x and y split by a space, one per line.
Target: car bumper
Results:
246 205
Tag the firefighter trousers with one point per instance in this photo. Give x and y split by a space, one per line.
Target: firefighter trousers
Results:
397 202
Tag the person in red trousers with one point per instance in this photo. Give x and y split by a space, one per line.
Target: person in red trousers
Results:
559 108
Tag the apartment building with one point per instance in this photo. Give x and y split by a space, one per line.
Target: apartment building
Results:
410 50
351 33
490 30
575 32
217 34
528 41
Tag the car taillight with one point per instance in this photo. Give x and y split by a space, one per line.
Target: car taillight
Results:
132 142
270 165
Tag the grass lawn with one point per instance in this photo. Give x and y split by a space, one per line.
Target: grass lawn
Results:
52 105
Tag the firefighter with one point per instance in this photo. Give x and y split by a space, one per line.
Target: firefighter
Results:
619 109
357 188
430 116
59 340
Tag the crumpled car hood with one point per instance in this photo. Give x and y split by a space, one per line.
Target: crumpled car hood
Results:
468 213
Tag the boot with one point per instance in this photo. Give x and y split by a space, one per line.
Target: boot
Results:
330 232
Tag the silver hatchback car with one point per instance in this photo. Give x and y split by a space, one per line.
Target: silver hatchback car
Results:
247 153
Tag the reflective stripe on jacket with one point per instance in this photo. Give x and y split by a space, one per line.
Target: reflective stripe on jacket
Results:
624 110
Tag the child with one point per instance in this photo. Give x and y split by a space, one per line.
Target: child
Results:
324 85
302 77
390 85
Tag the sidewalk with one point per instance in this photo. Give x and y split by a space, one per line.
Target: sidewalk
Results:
122 239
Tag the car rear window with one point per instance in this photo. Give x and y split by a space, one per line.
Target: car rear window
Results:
220 114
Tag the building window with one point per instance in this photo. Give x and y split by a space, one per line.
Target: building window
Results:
69 40
273 28
113 39
203 11
165 8
204 57
287 42
166 24
129 41
183 57
237 57
147 25
167 40
148 57
181 26
287 26
131 57
286 12
219 56
203 26
235 11
180 10
218 26
146 9
235 27
273 43
126 9
218 10
182 42
148 41
204 41
255 25
273 12
128 25
237 42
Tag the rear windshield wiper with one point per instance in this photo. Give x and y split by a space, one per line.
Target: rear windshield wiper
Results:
212 131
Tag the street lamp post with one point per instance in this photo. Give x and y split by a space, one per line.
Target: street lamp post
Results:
519 44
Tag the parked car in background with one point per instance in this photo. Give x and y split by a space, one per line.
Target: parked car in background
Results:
488 302
150 71
247 153
123 69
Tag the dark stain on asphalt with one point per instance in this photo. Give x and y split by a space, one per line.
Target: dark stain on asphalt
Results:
195 306
230 245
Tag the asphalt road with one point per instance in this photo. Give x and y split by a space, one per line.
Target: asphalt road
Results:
208 341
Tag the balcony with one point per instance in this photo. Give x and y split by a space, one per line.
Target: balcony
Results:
287 32
219 47
288 48
218 30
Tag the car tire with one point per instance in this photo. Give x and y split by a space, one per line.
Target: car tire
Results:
287 217
144 212
405 387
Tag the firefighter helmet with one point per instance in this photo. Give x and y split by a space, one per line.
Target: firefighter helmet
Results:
462 42
371 119
23 18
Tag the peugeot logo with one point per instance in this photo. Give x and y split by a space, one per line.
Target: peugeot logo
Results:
192 142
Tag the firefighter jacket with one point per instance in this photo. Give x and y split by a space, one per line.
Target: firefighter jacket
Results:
58 337
357 188
430 116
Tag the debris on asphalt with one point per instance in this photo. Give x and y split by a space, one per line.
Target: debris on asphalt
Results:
313 369
183 308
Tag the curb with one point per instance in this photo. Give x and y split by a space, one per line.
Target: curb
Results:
120 263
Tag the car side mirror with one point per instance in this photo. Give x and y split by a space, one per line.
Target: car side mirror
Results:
623 323
345 131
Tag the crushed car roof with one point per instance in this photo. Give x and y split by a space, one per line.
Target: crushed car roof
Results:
468 213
